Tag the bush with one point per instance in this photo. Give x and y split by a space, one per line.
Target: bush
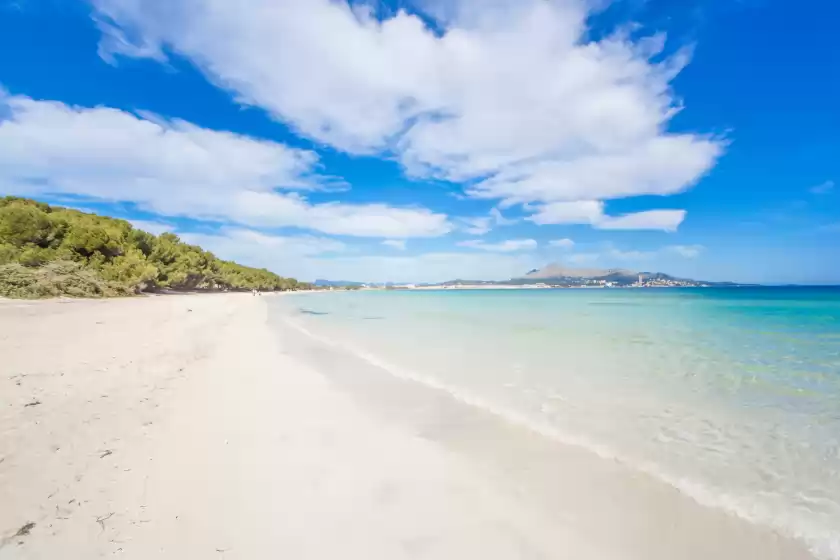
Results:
8 253
49 251
60 278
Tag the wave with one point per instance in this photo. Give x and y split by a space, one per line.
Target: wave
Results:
823 541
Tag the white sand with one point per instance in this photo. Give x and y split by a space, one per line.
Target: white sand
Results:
185 427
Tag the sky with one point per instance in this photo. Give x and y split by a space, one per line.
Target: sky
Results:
429 140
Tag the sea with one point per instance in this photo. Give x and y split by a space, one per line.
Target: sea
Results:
730 395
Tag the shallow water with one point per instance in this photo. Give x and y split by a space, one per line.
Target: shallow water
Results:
730 395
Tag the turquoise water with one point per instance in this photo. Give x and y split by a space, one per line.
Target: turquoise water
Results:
730 395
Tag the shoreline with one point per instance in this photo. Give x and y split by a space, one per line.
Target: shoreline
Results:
202 427
507 442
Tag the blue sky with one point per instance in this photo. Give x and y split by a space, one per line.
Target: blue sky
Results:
426 140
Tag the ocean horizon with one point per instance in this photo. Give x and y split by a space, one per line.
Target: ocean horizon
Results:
730 395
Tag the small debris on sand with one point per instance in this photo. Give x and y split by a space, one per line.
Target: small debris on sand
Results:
103 519
23 531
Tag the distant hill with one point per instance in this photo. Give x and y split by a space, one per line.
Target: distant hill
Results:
337 283
556 274
460 282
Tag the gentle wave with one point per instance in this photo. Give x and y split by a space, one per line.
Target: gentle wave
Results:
823 541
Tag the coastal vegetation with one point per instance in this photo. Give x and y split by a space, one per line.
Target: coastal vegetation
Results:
48 251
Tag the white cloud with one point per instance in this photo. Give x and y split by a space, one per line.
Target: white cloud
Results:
661 165
366 220
115 42
686 251
664 220
580 212
484 224
259 249
592 212
175 168
478 226
562 243
507 246
428 267
395 244
42 140
514 94
308 258
499 218
823 188
153 227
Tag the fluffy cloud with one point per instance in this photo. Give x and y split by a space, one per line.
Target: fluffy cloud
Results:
308 258
368 220
427 267
580 212
664 220
259 249
499 219
175 168
477 226
45 140
592 212
395 244
562 243
484 224
513 96
507 246
662 165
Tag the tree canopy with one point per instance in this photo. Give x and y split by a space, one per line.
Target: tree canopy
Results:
48 250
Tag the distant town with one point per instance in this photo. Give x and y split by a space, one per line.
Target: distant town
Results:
551 277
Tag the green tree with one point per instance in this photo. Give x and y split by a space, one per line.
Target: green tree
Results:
47 251
22 224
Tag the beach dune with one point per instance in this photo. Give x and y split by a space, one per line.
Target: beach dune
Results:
190 427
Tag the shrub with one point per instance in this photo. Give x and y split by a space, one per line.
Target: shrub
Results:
60 278
48 251
8 253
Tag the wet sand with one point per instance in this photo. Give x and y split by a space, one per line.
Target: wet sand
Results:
208 427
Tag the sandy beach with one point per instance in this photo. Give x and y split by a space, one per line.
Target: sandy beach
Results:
202 427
